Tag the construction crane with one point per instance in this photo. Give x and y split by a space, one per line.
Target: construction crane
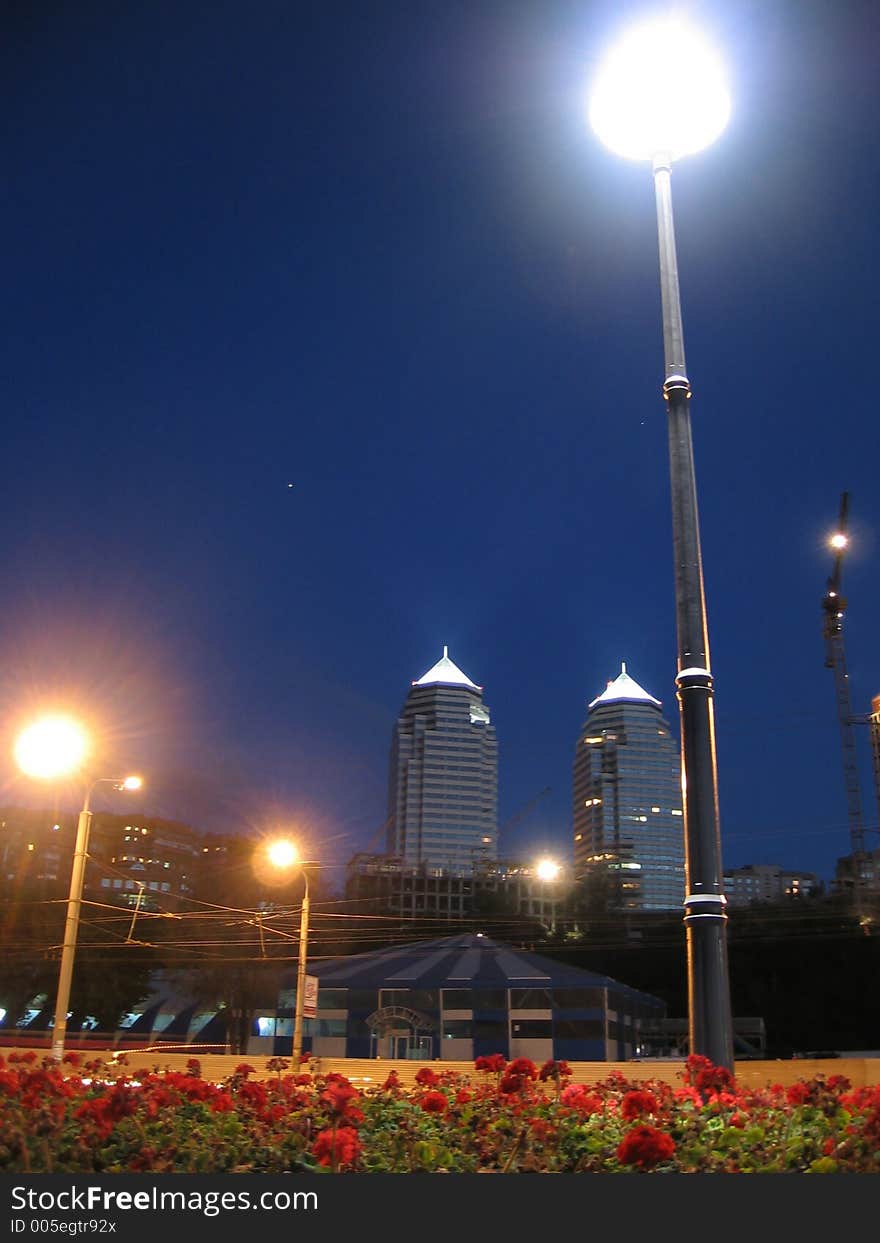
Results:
522 813
833 610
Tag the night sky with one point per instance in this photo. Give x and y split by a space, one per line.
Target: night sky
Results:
331 335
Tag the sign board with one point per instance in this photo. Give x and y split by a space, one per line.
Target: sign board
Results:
310 997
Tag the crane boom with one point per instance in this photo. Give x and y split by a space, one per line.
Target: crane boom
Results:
834 609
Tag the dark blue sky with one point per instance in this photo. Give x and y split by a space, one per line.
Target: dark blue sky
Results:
372 249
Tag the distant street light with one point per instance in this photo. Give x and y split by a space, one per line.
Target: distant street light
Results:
547 871
283 854
660 95
57 747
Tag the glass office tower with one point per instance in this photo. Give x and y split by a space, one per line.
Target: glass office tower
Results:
443 780
628 825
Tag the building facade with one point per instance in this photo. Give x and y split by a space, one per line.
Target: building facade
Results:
463 997
768 882
134 859
443 778
386 885
627 814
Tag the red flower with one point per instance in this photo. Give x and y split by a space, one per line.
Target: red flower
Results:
828 1147
541 1129
798 1093
222 1104
576 1096
194 1066
244 1069
645 1146
492 1063
391 1082
523 1067
434 1103
338 1096
427 1077
9 1082
554 1070
72 1059
337 1147
635 1104
706 1077
462 1096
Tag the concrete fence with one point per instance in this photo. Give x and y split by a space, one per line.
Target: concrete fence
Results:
366 1073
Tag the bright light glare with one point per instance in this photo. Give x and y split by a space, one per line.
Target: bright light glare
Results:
132 783
661 91
52 747
282 854
547 870
839 540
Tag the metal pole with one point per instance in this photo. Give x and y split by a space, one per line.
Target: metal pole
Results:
74 902
710 1025
301 977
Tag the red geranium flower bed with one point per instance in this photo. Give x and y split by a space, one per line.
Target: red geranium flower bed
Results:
506 1117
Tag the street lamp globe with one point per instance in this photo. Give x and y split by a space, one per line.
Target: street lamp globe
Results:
282 853
660 92
547 869
54 746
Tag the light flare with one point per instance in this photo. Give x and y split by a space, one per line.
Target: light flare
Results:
54 746
661 92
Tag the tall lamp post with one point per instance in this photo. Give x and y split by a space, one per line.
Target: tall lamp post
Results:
74 905
50 748
659 96
284 854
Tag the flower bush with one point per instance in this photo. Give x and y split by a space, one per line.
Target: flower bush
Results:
507 1117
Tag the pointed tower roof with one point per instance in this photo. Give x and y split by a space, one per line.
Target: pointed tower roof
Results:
448 673
624 687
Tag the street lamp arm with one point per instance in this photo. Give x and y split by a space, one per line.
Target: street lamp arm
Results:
118 783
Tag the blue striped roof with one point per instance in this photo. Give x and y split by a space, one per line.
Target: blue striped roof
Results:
465 961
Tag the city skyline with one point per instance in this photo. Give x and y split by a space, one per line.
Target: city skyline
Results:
329 343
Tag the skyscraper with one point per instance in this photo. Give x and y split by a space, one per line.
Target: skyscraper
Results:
443 780
628 827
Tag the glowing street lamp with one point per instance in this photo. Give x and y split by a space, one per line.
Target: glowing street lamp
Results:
660 95
547 871
284 854
55 747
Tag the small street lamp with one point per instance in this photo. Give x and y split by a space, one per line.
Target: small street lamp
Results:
548 871
284 854
55 747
